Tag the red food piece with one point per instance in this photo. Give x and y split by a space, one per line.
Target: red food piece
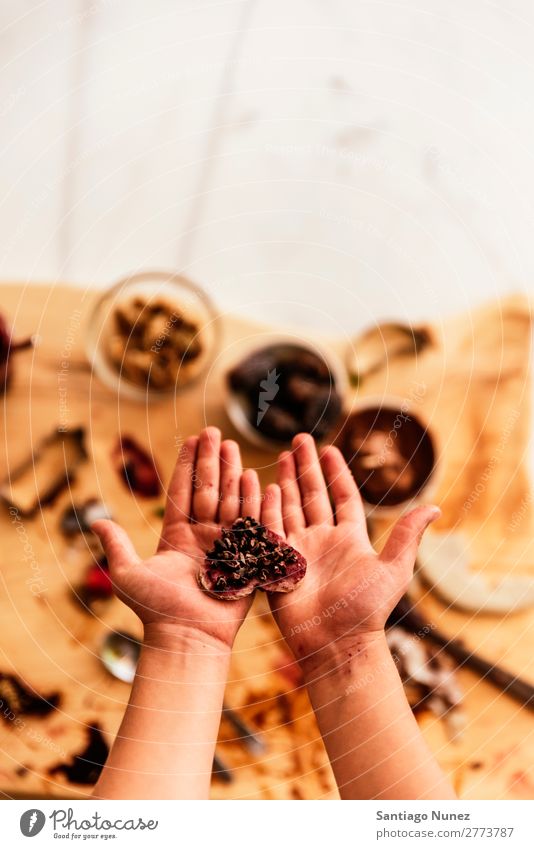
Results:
136 467
247 557
97 582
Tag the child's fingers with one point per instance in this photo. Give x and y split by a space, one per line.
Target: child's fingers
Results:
271 509
292 514
116 543
313 494
231 471
180 491
206 476
342 487
250 494
405 537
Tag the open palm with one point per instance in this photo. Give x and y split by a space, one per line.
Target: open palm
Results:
207 490
349 589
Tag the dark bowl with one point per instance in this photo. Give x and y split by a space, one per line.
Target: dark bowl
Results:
391 454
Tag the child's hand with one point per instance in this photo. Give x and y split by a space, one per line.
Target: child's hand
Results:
207 490
349 590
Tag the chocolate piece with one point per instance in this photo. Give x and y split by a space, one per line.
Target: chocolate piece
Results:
136 467
247 557
86 767
321 412
301 389
311 365
277 423
42 477
18 699
246 376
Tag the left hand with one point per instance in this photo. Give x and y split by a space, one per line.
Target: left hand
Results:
349 590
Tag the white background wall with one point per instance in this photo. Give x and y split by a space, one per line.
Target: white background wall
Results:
343 160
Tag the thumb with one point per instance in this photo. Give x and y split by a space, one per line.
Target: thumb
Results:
405 537
116 543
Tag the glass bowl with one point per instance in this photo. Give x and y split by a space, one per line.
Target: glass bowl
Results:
152 334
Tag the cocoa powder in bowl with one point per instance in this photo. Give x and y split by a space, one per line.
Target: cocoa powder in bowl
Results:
390 453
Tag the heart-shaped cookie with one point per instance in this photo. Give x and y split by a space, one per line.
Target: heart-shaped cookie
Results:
248 557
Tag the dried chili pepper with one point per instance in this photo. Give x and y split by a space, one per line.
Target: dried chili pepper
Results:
97 584
136 468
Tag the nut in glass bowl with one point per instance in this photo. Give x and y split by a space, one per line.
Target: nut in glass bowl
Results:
152 334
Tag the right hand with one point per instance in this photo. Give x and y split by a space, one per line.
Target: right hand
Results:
208 489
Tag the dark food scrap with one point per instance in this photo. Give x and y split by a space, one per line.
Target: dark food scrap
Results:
287 389
86 767
154 344
78 518
137 468
7 348
428 677
44 475
408 617
221 771
247 557
248 738
17 699
390 453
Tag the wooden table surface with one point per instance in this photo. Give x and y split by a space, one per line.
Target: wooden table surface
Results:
52 643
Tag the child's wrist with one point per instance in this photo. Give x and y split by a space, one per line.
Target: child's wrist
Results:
346 656
178 639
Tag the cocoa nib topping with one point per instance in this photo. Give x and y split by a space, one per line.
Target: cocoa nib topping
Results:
249 556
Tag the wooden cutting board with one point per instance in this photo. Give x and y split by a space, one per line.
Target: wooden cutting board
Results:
52 643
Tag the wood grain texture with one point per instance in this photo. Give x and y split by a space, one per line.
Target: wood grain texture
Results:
53 643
